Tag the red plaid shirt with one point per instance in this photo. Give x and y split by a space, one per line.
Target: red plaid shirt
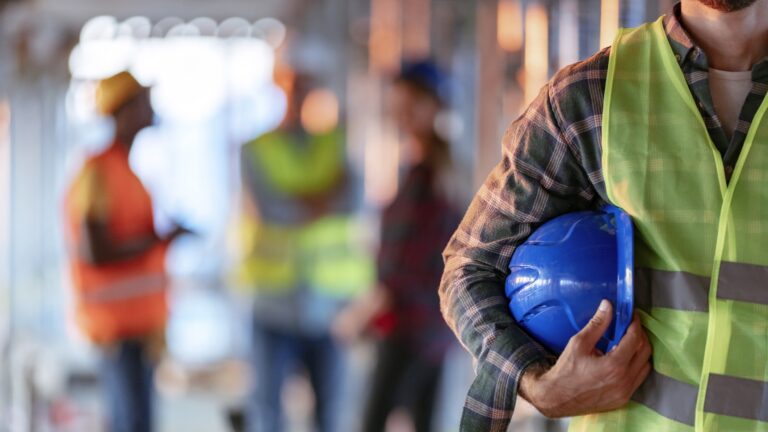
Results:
415 228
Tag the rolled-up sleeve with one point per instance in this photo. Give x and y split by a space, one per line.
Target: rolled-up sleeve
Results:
539 177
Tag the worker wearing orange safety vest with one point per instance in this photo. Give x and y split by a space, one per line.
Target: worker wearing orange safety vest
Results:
117 260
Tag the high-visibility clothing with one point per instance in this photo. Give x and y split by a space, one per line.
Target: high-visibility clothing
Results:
299 170
325 254
125 298
701 260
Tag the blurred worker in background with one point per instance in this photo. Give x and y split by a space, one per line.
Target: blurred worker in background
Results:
404 310
118 260
303 255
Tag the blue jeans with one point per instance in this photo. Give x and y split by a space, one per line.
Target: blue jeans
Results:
127 378
277 355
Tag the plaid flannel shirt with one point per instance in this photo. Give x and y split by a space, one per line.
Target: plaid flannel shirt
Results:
414 228
550 166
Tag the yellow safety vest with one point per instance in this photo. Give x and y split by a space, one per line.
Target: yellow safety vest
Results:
327 254
701 257
299 171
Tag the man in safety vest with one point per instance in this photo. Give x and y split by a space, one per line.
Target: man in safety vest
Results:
303 256
117 260
669 124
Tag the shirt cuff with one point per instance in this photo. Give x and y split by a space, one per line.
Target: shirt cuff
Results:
492 395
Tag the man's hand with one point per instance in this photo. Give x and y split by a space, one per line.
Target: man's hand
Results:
352 321
584 380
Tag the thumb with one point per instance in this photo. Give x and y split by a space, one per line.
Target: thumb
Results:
588 337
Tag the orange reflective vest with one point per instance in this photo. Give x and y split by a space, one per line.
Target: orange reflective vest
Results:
125 298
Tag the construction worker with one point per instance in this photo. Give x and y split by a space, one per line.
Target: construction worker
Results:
117 260
404 311
667 124
303 256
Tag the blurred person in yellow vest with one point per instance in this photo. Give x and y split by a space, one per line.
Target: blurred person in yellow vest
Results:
117 260
303 253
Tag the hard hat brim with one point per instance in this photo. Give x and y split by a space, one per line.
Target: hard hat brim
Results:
625 273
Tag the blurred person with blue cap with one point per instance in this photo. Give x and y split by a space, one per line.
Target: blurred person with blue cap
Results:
303 252
403 312
117 260
668 124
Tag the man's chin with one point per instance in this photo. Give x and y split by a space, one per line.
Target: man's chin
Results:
727 5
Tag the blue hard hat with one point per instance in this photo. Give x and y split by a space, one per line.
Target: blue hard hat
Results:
427 75
566 267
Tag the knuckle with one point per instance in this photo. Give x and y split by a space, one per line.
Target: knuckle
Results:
597 320
640 344
626 396
641 330
646 370
632 329
576 341
647 352
623 391
642 340
619 395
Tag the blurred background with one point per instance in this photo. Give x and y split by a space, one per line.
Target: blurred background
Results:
223 74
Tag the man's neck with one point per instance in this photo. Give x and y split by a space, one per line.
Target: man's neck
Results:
733 41
126 138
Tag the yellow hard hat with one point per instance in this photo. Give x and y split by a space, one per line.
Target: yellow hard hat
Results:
115 91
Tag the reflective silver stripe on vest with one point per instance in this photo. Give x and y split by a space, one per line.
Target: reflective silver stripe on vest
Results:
126 289
671 289
726 395
669 397
737 397
743 282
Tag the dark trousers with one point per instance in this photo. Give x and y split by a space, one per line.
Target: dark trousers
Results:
127 378
278 354
401 379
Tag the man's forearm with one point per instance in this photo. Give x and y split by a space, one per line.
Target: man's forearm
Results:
474 305
540 176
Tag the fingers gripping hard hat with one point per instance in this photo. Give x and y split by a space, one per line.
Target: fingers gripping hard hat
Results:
566 267
115 91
